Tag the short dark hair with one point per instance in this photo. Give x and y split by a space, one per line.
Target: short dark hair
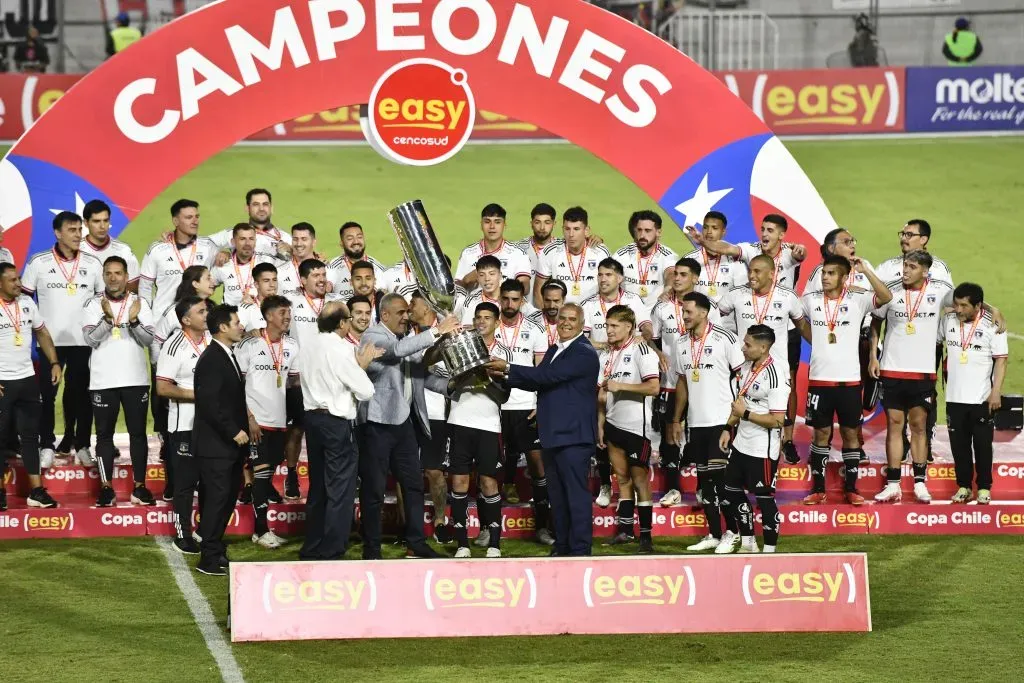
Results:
778 220
116 259
965 290
699 299
762 333
543 209
261 268
241 227
273 302
830 241
621 312
358 299
189 278
493 210
4 267
93 207
763 258
488 261
487 306
255 191
841 261
717 215
309 265
644 215
512 285
922 225
920 257
303 225
177 206
554 284
65 218
347 225
219 316
575 214
692 264
611 263
330 317
361 265
185 304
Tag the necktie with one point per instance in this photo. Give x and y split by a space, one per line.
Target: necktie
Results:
234 362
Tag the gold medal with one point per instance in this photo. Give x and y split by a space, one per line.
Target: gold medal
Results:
575 289
963 358
712 290
116 333
695 376
279 381
643 291
18 340
72 289
911 329
831 337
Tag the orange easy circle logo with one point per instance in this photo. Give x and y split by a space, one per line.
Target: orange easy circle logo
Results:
421 112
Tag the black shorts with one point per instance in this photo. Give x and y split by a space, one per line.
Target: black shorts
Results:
843 402
636 447
756 475
270 450
794 346
433 448
468 447
293 406
702 444
520 433
904 394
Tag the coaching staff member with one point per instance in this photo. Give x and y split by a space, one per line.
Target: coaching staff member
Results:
566 386
220 434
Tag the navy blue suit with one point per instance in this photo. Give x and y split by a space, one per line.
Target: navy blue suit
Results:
567 421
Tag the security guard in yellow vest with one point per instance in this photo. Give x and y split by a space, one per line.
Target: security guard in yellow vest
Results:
962 46
122 35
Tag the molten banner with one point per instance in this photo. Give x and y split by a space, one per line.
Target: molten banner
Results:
677 594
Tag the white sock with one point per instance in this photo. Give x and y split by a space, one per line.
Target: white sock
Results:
748 540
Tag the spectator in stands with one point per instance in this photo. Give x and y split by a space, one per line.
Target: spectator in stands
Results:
863 48
31 56
122 35
962 47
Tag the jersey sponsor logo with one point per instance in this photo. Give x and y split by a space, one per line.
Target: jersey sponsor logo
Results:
480 591
823 587
601 590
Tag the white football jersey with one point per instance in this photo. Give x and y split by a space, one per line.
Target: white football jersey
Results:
514 261
113 248
718 274
119 361
251 317
237 278
62 288
474 409
971 350
667 327
339 274
550 329
166 325
288 283
305 310
177 365
776 310
267 367
634 363
765 392
645 275
525 339
838 361
533 252
18 319
577 272
472 301
596 308
398 279
892 270
786 265
163 265
913 322
709 385
266 241
6 256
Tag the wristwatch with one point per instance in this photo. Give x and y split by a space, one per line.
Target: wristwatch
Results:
746 415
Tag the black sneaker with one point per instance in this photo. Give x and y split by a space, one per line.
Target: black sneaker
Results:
291 485
3 497
423 552
186 546
646 546
64 448
274 495
245 497
142 496
107 497
39 498
621 538
931 457
443 535
789 452
211 569
168 494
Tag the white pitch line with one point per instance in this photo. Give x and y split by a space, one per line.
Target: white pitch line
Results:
201 612
1014 335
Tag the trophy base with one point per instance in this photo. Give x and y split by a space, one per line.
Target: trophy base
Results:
463 352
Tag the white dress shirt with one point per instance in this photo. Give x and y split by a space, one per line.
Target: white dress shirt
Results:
331 378
231 355
562 345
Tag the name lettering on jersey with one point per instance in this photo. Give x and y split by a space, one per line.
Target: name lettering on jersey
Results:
824 587
495 592
638 589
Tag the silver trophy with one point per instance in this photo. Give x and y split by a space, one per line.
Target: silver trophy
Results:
464 351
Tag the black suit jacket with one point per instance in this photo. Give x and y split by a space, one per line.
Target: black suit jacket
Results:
220 405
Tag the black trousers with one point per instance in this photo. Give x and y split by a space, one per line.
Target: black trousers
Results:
19 409
333 463
391 446
106 406
159 406
220 479
971 431
77 407
185 483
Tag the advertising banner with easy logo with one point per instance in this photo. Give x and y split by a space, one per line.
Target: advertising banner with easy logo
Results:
965 98
680 594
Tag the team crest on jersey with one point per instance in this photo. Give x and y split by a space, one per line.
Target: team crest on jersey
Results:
757 386
977 334
625 359
708 350
724 268
777 305
844 308
591 264
931 298
654 267
24 309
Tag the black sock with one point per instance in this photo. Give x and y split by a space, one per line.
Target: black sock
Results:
460 507
893 474
920 472
818 461
712 494
291 471
851 459
541 505
670 464
625 514
740 508
260 494
604 468
511 467
645 514
771 520
492 513
107 463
